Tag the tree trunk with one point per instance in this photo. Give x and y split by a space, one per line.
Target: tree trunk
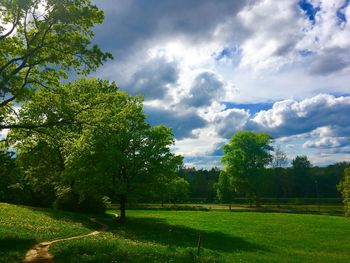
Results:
122 208
229 206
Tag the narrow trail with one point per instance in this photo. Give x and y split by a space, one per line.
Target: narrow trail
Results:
40 252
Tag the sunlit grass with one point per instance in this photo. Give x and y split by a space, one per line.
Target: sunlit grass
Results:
171 236
21 227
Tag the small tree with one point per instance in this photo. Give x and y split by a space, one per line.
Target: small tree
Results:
279 158
225 190
179 190
301 167
344 188
245 158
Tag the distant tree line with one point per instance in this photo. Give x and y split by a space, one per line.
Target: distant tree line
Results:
279 182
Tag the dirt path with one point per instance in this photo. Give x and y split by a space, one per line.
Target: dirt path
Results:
40 252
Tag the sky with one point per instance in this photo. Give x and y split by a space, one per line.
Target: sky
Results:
209 69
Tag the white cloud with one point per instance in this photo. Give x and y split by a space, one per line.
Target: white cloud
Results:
258 51
327 142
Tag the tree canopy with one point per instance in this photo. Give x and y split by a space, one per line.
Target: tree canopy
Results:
40 43
245 157
104 147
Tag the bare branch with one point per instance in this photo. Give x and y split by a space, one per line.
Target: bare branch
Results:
15 23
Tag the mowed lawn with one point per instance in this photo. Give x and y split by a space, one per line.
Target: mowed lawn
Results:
171 236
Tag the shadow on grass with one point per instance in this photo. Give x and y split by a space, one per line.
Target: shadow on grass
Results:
12 249
15 244
158 231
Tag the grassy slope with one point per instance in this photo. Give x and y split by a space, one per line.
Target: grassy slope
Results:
21 227
227 237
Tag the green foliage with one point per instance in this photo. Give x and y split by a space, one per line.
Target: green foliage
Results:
102 145
12 185
224 188
202 183
344 188
179 190
61 156
245 158
301 163
40 41
301 168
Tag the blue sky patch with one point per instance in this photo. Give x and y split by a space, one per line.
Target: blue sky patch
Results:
305 52
309 10
340 13
252 107
227 52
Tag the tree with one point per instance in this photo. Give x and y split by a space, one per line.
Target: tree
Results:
245 158
104 145
12 188
145 158
279 161
40 42
344 188
179 190
224 189
279 158
301 163
301 168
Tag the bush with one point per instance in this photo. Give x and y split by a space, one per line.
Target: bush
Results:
70 201
344 188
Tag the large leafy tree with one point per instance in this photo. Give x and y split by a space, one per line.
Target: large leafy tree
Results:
245 157
40 42
77 109
102 146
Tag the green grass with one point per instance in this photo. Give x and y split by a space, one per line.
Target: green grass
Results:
323 209
226 237
171 236
21 227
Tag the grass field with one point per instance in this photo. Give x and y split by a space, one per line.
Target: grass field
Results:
171 236
324 209
22 227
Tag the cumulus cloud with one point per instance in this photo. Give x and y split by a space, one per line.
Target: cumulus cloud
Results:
206 88
134 23
186 56
329 62
290 117
327 142
153 79
228 122
182 122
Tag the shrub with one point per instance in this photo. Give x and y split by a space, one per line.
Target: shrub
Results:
344 188
70 201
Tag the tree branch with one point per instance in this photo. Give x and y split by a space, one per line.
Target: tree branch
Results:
5 102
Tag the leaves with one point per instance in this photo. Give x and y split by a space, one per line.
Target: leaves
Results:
46 40
245 158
